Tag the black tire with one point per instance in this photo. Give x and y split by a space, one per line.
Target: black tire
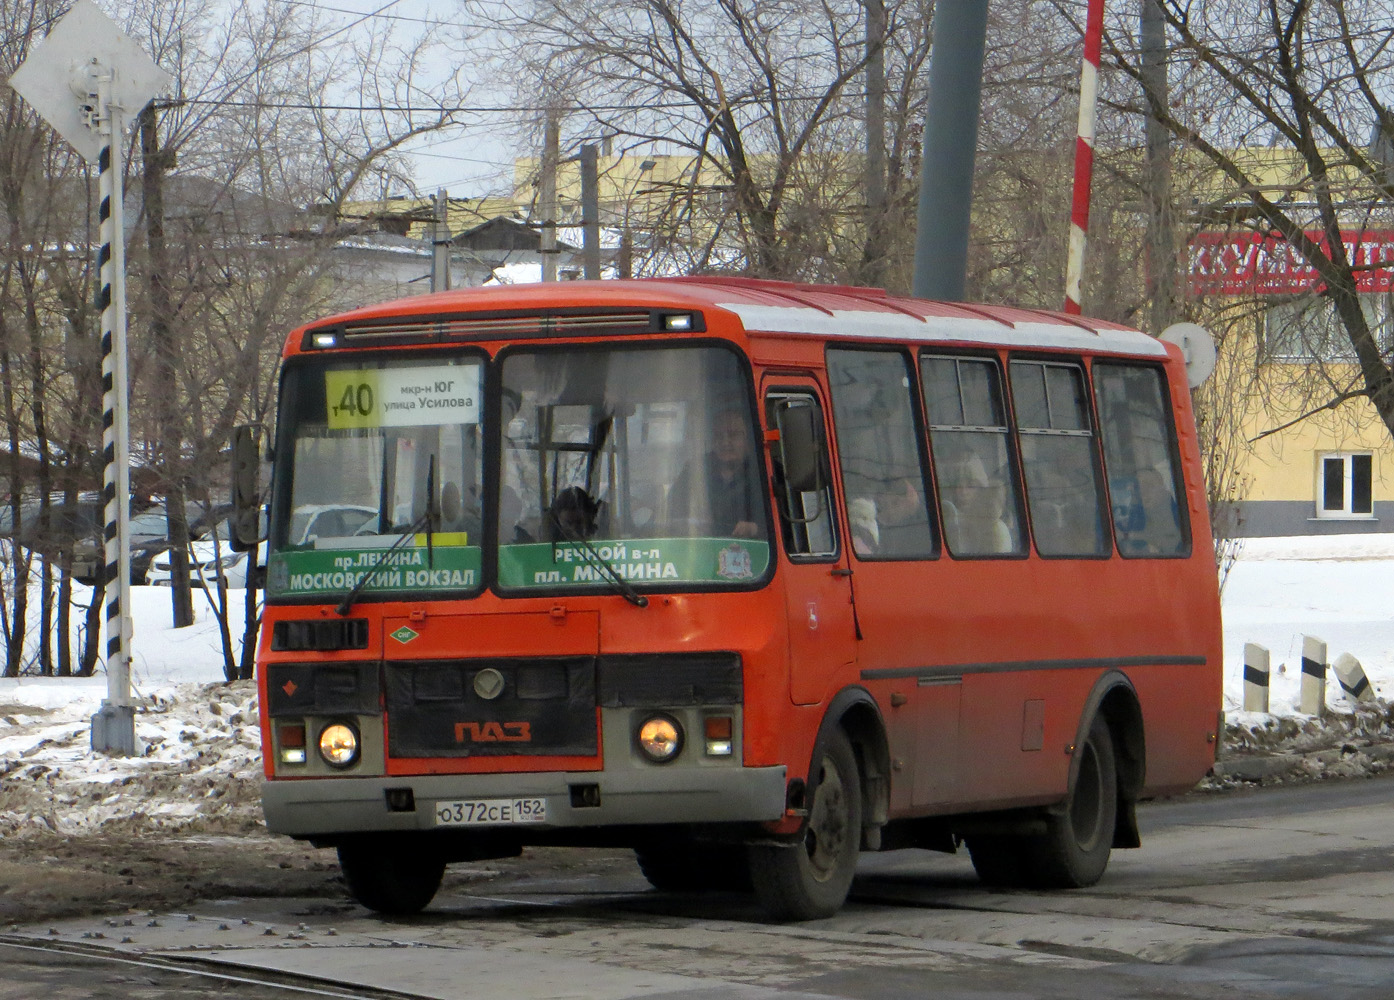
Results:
1075 849
394 877
999 861
694 867
811 879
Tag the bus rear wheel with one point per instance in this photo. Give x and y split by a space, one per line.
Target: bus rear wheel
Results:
811 879
1075 849
394 876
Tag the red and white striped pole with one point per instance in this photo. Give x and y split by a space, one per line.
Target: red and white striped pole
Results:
1084 154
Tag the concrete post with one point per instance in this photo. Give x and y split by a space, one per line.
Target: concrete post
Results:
1313 699
1256 675
1354 684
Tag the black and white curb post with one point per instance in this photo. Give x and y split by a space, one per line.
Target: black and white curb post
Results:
1313 695
1354 684
1256 675
82 79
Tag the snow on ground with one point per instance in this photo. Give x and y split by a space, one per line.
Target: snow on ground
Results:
199 769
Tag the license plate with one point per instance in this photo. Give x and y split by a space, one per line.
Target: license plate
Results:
490 812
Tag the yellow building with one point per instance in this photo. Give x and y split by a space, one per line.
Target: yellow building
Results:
1309 460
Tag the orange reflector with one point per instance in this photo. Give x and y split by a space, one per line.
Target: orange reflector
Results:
718 727
292 736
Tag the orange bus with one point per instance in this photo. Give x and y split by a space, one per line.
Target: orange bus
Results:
746 576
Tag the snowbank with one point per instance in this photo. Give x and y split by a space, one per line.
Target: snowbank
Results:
200 770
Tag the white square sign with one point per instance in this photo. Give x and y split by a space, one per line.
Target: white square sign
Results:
58 75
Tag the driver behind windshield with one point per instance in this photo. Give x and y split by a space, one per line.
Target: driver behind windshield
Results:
722 496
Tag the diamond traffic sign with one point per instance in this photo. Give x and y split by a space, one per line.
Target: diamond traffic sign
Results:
60 76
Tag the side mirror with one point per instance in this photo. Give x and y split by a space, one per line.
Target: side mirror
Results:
246 503
799 444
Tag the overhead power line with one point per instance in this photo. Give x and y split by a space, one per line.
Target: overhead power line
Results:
481 109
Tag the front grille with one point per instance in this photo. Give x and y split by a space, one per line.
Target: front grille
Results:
670 680
322 689
492 707
322 635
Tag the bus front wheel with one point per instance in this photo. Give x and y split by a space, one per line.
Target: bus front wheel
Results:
1074 851
811 879
394 877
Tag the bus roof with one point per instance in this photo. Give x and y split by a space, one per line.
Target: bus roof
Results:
773 307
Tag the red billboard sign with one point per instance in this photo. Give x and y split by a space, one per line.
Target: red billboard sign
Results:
1251 264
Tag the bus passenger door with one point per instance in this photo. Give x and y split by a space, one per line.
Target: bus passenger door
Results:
817 582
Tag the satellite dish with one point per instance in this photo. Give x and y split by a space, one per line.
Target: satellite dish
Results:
1197 349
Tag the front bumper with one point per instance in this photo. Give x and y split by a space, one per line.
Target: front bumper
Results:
315 807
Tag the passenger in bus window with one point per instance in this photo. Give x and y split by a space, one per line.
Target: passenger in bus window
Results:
452 513
892 522
1064 502
866 529
574 515
721 498
1159 527
974 509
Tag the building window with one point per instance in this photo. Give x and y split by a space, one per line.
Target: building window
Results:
1306 328
1345 485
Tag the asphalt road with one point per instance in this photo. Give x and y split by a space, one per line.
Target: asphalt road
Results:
1282 893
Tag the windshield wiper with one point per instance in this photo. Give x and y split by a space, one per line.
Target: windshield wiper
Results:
625 588
426 520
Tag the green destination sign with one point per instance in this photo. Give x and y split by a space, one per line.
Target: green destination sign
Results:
649 560
333 572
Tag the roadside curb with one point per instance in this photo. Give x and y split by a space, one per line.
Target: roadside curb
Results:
1257 767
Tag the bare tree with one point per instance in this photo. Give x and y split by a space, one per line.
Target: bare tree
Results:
755 93
1281 102
276 114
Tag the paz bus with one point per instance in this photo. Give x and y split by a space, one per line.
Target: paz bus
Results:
746 576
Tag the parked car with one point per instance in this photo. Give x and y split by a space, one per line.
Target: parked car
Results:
150 533
213 551
74 530
206 556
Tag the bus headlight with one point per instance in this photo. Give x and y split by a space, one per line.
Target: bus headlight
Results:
338 744
660 738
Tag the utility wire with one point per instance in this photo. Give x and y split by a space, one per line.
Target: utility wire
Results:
342 10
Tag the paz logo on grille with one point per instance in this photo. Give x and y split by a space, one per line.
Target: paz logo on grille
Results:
488 683
493 732
405 635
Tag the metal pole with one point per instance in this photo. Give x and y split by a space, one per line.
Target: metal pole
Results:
551 151
590 211
1161 238
113 728
1084 154
440 244
950 147
876 221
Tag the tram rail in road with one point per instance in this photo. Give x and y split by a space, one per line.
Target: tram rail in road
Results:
1283 892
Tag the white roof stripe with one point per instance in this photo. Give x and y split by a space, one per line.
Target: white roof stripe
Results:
940 329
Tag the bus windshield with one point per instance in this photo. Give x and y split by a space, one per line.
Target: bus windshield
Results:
367 442
635 464
638 462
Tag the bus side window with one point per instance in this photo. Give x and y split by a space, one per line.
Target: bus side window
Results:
879 448
805 509
979 501
1058 458
1149 513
